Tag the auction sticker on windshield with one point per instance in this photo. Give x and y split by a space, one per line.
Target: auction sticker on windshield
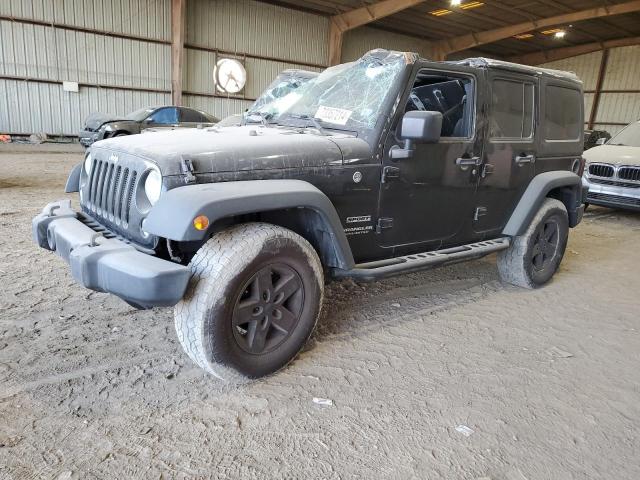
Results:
339 116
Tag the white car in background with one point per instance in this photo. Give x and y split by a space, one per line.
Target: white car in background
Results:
612 171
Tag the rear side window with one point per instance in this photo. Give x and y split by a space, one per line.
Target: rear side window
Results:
188 115
562 118
512 109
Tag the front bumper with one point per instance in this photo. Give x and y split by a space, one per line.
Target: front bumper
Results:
612 196
108 264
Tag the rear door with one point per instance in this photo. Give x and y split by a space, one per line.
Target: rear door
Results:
509 157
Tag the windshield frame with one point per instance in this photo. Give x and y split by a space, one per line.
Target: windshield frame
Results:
612 142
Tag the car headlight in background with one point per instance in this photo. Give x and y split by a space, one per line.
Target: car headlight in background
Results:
153 186
87 164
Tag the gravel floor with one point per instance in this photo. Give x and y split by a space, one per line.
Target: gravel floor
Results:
548 381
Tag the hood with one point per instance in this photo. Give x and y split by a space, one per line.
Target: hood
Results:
615 155
95 120
231 149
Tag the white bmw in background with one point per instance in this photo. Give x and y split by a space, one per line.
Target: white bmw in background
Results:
612 171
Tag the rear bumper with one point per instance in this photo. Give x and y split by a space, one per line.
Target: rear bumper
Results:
108 264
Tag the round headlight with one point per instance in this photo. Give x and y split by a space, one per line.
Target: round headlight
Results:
87 164
153 186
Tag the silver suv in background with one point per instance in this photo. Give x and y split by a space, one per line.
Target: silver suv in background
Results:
612 173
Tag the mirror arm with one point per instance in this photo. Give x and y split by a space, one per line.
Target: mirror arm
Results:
398 153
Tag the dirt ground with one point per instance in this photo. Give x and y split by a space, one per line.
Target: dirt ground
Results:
547 380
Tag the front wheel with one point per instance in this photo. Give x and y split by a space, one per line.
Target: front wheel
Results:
253 300
534 257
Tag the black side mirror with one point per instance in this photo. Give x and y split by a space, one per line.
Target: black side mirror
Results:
419 127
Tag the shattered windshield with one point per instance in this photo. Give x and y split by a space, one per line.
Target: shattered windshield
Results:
345 97
284 84
629 137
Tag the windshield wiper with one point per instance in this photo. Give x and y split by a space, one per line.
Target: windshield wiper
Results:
315 121
263 117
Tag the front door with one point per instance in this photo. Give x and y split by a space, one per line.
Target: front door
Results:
162 118
509 155
426 201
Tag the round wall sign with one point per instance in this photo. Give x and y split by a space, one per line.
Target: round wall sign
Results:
229 75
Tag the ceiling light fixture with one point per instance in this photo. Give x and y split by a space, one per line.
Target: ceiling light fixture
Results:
524 36
560 34
456 3
470 5
441 12
551 31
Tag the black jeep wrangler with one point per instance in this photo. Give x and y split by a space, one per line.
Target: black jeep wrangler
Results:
386 165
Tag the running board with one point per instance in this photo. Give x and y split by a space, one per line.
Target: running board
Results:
380 269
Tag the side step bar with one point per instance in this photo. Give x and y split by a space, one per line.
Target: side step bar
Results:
380 269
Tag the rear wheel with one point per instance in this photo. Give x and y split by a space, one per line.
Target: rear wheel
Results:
252 302
534 257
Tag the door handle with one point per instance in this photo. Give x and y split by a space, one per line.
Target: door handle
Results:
465 162
522 159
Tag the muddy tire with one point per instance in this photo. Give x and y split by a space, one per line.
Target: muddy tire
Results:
253 300
534 257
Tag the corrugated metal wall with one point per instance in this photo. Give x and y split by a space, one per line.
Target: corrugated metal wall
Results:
361 40
617 104
247 30
144 18
116 74
623 73
119 53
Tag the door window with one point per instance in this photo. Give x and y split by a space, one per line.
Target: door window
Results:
191 116
562 117
164 116
450 95
512 107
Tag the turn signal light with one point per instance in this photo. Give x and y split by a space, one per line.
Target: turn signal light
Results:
201 222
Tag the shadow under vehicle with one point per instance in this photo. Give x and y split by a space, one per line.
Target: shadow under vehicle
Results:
386 165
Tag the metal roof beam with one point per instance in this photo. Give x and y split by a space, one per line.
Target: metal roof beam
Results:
471 40
358 17
537 58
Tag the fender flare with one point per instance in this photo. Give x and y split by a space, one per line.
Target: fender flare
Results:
536 192
73 181
172 217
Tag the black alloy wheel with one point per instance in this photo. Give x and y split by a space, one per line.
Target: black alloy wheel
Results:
268 308
545 244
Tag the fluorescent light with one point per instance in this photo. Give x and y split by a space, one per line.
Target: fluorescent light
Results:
470 5
440 13
456 3
560 34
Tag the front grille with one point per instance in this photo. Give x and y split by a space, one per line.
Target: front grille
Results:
616 199
109 195
629 173
111 189
614 183
601 170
